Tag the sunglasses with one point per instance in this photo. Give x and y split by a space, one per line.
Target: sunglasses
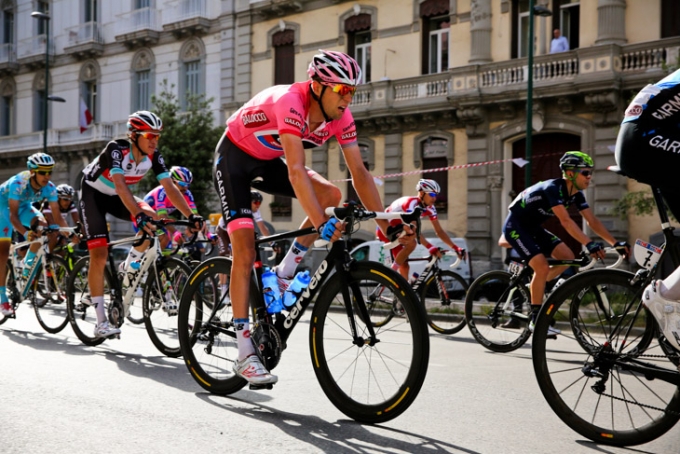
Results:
257 202
586 173
44 172
150 135
432 194
182 184
342 89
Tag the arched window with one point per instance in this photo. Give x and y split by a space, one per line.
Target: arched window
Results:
89 88
7 94
283 43
142 80
192 76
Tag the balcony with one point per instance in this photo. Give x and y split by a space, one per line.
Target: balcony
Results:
85 40
8 58
139 27
31 51
190 17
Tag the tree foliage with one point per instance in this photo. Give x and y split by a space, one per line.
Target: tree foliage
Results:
189 140
640 203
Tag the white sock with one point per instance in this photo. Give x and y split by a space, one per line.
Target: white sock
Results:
670 287
133 255
245 345
396 266
292 259
100 310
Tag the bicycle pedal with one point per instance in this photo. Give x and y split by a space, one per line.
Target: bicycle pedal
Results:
255 387
551 336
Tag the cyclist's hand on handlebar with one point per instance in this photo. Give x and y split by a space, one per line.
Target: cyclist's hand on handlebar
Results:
145 222
622 248
461 253
197 221
434 250
331 230
596 250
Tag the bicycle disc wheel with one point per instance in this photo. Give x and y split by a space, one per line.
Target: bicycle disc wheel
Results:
588 381
161 304
81 312
207 339
49 299
498 316
443 296
372 382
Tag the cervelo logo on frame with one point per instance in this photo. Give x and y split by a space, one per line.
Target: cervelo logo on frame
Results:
296 310
254 119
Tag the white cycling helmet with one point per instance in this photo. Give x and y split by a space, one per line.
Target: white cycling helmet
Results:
65 191
428 186
40 161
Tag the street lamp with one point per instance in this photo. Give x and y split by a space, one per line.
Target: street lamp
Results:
46 17
541 11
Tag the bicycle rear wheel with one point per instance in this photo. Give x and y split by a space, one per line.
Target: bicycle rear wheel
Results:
443 296
161 305
585 375
497 314
375 380
49 297
81 312
208 340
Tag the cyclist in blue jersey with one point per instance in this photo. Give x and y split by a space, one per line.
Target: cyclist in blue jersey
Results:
533 206
17 196
648 150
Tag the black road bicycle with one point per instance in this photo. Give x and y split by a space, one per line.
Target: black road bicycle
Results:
613 378
370 374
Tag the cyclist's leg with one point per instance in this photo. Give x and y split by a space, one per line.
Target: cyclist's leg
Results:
5 243
29 215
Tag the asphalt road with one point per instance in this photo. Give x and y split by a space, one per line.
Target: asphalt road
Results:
59 396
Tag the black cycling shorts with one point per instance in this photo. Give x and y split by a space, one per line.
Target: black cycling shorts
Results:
528 240
648 148
235 172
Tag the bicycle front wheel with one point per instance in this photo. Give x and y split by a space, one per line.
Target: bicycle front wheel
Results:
49 299
586 376
497 313
161 302
443 296
376 379
206 327
81 312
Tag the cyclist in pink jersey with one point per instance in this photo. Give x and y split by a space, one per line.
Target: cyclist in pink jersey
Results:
280 122
427 195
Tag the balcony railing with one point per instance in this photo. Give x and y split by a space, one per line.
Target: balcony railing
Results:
8 53
431 85
100 132
89 32
560 66
191 9
139 20
35 45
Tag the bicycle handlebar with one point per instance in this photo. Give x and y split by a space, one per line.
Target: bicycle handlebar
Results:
607 250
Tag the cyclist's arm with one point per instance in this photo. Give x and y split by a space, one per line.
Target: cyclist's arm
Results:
48 216
263 228
176 197
597 226
125 194
59 220
299 179
569 224
443 236
363 182
14 217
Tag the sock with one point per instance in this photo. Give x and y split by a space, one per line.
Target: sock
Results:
100 310
245 345
292 259
133 255
223 289
3 295
395 266
534 313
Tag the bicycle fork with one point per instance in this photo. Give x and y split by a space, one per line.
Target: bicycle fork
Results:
361 305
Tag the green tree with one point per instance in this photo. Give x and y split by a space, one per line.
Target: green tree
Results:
189 140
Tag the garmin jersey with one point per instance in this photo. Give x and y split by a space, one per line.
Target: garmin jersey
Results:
159 201
19 188
407 204
283 109
641 100
534 204
71 208
117 158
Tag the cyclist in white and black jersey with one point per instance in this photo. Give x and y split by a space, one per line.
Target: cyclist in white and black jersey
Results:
67 206
105 189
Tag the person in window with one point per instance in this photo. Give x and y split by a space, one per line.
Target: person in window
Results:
647 149
523 229
281 122
559 43
428 190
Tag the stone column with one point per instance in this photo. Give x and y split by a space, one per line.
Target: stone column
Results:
611 22
480 31
393 164
495 184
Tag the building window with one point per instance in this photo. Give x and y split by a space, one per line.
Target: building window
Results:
283 43
435 35
39 102
43 7
566 15
6 109
192 72
358 29
435 153
89 74
7 29
670 18
142 80
365 156
91 11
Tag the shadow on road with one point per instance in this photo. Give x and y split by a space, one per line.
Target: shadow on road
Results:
342 436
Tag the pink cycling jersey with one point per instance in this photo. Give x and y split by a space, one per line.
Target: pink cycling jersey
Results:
159 201
283 109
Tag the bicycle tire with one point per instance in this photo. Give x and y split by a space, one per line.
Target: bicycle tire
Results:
51 312
588 389
208 346
159 320
398 361
82 315
446 309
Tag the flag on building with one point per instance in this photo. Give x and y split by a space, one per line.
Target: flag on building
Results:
85 116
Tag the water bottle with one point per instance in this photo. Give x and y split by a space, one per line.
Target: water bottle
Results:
414 277
300 282
272 294
130 272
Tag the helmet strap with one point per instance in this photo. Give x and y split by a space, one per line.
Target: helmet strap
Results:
318 100
572 179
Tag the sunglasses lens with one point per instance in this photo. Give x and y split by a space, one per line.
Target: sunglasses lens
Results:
151 135
344 90
432 194
586 173
183 184
42 172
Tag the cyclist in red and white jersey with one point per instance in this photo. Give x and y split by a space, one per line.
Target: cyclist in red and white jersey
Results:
105 189
280 122
427 196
